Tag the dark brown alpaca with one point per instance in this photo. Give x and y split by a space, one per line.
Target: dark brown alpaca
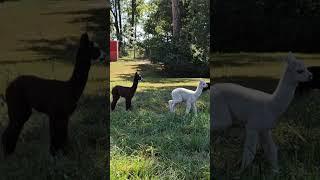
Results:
57 99
126 92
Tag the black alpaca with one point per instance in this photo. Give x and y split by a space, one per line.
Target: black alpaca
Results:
57 99
206 88
304 87
126 92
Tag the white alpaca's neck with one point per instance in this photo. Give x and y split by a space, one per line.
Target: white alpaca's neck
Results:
198 91
284 93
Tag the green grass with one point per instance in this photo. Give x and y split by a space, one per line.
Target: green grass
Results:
149 142
40 38
297 132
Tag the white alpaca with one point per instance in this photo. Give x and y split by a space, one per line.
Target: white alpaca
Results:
258 110
185 95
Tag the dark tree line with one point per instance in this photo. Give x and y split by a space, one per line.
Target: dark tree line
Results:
265 25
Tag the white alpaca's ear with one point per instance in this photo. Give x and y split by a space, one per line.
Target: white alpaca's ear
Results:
289 57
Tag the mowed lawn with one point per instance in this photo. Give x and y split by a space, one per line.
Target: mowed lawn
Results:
149 142
297 133
41 38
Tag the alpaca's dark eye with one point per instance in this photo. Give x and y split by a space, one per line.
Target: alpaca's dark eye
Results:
300 71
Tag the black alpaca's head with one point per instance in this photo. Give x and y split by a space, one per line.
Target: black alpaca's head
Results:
90 50
137 77
206 88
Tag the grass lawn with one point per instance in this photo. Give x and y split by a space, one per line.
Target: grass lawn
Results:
149 142
41 38
297 133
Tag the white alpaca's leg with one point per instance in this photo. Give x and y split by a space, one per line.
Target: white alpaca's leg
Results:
176 98
220 113
188 107
270 149
194 108
170 105
249 149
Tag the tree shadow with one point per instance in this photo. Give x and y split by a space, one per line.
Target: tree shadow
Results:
64 49
262 83
22 61
154 73
239 60
94 20
3 1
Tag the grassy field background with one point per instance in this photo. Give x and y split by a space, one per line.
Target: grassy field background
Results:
41 38
297 133
149 142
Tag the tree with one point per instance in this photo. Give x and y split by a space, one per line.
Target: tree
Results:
176 18
178 36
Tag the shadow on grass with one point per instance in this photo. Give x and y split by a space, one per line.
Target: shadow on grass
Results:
65 48
3 1
94 20
22 61
262 83
239 60
87 154
254 59
153 73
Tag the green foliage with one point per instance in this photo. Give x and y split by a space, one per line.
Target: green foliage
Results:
190 50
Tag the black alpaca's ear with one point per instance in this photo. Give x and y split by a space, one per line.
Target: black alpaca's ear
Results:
84 40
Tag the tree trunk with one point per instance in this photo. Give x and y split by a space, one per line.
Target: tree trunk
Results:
114 12
133 35
120 27
176 18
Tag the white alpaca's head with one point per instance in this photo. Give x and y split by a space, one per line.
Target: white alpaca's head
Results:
297 68
203 84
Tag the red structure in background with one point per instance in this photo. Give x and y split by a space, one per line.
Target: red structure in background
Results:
114 50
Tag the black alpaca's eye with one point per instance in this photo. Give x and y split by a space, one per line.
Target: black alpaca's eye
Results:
300 71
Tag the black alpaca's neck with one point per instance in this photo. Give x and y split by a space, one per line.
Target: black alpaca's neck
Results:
134 86
80 73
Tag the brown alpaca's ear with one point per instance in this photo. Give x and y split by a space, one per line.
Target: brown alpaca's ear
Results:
84 40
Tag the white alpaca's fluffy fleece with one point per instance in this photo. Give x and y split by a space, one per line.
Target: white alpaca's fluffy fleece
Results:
257 110
185 95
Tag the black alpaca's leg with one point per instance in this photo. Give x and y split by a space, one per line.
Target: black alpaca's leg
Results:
128 104
115 99
18 114
58 134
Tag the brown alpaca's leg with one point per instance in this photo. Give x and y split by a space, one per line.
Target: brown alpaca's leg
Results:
58 133
128 104
115 99
18 114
